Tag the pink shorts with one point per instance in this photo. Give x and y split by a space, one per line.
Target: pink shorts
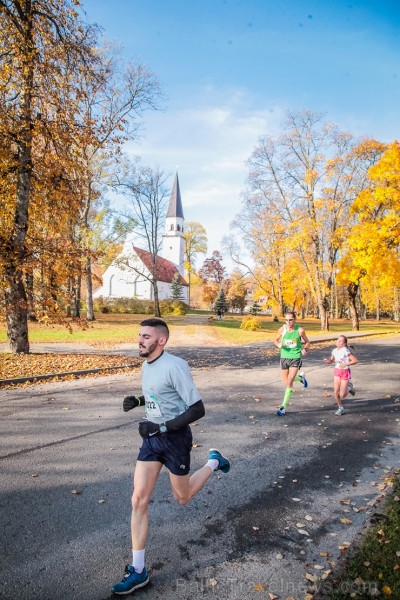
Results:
344 374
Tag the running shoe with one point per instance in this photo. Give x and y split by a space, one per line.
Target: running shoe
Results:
339 411
131 581
352 391
281 411
223 463
303 379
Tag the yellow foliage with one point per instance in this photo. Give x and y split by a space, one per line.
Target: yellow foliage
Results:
251 323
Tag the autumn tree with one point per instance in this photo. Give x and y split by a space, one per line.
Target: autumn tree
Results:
111 107
302 184
44 49
237 290
212 269
195 237
146 192
266 252
372 250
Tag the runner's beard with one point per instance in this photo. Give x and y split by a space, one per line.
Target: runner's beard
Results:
146 352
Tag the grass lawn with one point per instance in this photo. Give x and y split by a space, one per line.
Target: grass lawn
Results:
374 568
111 329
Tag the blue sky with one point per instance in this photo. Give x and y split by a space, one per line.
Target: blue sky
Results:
231 69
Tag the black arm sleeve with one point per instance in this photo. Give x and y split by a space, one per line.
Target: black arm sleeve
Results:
193 413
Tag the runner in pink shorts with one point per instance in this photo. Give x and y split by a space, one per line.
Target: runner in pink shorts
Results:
343 357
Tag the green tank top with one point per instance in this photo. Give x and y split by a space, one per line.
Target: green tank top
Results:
291 343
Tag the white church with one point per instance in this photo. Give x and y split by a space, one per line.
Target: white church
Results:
118 282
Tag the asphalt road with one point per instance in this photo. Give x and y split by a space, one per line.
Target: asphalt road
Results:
67 452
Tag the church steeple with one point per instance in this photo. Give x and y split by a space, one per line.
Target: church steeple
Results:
174 243
175 203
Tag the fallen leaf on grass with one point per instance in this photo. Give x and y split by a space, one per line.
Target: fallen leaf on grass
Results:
14 366
387 590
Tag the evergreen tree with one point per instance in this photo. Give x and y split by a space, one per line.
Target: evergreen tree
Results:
255 309
221 303
176 287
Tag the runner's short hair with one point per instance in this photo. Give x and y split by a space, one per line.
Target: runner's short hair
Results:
157 324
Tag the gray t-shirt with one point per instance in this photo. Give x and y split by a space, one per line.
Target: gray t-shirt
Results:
168 388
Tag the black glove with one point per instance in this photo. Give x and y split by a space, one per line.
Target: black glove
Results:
148 429
130 402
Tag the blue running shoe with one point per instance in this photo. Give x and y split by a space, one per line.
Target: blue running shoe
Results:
281 411
223 463
304 380
131 581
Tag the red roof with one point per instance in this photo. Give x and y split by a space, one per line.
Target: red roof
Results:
165 268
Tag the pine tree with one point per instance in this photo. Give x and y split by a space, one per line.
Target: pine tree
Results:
176 287
221 303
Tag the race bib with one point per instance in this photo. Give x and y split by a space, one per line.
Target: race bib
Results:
152 407
290 343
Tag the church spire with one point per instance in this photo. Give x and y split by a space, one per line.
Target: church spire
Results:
175 203
174 242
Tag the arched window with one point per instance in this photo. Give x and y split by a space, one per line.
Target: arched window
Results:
110 285
178 227
172 228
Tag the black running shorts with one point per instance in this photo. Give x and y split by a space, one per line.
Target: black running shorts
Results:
171 449
286 363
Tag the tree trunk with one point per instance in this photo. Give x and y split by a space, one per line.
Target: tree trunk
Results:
89 290
323 309
324 317
157 312
396 305
30 296
16 312
15 295
378 310
352 290
76 298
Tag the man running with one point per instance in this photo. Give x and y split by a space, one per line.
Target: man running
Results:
171 402
293 344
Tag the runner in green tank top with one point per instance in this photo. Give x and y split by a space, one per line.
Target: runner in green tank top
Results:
293 344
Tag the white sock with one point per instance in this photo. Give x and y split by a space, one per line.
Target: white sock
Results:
138 560
213 463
